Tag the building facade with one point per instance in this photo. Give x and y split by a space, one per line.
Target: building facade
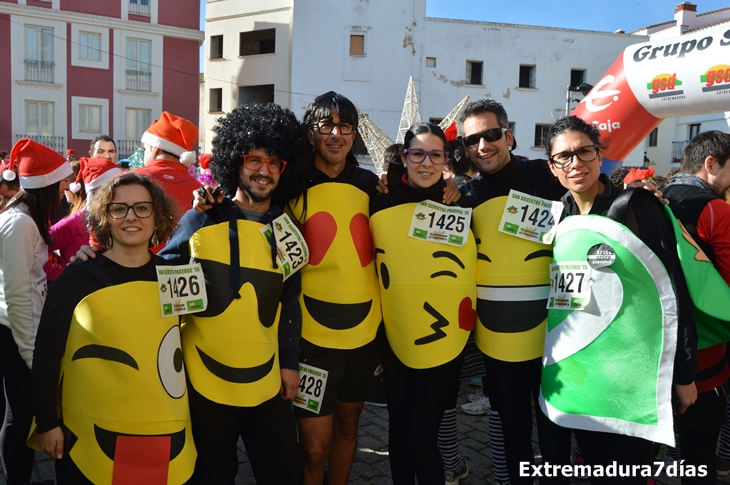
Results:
76 69
289 51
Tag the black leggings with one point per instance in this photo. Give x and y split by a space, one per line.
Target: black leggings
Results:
514 388
417 399
606 448
17 458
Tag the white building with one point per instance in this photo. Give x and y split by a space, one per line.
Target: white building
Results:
288 52
665 145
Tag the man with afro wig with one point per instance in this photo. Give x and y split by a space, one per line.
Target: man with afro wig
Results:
242 352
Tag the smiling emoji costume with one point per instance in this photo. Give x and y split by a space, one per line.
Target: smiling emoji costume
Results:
340 298
122 377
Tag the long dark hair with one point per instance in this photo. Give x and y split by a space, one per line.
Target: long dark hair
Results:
42 206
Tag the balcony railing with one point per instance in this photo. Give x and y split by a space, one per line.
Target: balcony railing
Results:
139 7
139 80
677 149
53 142
39 71
125 148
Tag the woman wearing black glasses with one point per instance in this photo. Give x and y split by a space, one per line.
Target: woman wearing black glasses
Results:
104 346
428 293
620 346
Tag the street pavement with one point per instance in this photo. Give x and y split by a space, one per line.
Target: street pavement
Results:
371 464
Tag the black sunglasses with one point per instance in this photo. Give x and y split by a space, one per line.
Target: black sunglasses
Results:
490 136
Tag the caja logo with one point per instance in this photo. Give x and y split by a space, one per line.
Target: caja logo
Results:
716 78
664 85
598 93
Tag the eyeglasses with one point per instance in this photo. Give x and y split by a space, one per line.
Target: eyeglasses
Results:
563 160
327 127
490 136
119 210
418 155
254 162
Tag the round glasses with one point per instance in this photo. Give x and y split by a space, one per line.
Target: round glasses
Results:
254 162
326 128
119 210
563 160
418 155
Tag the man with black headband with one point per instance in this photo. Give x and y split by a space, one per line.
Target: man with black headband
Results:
340 295
513 286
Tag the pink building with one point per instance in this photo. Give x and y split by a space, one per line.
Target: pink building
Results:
75 69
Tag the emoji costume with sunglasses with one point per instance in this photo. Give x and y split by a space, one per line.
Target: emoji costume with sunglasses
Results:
123 392
232 348
340 298
513 278
428 289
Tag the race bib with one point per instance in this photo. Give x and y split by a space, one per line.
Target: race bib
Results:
312 382
291 250
182 289
570 286
439 223
529 217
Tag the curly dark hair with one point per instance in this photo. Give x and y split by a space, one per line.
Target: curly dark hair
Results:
267 126
97 215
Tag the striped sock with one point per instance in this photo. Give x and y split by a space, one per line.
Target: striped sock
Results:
449 441
498 456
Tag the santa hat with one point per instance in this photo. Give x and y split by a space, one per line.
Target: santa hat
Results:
38 165
94 172
173 134
70 151
640 175
7 174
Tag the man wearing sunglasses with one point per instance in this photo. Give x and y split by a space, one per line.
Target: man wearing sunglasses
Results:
513 285
340 295
242 353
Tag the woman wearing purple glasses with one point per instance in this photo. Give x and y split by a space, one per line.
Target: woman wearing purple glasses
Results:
426 261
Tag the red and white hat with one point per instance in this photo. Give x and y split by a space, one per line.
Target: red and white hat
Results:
7 174
173 134
94 172
38 165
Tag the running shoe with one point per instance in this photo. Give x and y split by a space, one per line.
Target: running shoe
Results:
477 408
452 478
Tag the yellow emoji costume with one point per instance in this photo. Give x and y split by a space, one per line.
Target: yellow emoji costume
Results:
123 381
340 298
428 290
231 349
513 281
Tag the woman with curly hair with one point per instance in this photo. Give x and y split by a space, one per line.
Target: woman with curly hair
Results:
123 399
252 325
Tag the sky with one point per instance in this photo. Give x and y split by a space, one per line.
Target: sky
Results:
598 15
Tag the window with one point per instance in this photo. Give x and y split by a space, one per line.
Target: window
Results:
577 77
256 94
38 118
694 130
138 120
357 45
39 63
257 42
653 137
139 7
474 72
430 62
216 46
527 77
90 118
90 46
139 69
215 100
540 134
